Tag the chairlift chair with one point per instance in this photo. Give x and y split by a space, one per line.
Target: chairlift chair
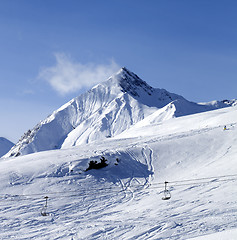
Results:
167 194
44 209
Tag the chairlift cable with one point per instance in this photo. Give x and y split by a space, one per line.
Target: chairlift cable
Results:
204 178
71 193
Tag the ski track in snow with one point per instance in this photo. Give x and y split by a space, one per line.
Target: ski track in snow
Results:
94 211
147 153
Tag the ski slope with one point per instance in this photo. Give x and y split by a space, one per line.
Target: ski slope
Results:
229 234
123 200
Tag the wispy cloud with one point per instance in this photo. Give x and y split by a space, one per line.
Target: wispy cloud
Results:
68 76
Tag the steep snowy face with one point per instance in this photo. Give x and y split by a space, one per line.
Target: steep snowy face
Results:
130 83
106 110
5 146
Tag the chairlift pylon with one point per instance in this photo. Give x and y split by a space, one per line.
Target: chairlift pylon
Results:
44 209
167 194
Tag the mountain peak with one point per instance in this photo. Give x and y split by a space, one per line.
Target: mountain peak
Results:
5 146
131 83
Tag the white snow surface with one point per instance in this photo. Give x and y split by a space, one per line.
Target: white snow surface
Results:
123 200
5 146
105 111
224 235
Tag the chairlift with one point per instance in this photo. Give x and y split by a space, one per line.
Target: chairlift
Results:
44 209
167 194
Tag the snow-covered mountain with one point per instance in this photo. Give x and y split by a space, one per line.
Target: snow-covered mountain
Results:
147 137
105 111
5 146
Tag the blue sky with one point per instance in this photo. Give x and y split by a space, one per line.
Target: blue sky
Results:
53 50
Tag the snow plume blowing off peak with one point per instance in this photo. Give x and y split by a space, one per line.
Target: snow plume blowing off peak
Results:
108 109
68 76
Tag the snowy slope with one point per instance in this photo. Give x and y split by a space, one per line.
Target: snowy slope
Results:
123 200
107 110
224 235
5 146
